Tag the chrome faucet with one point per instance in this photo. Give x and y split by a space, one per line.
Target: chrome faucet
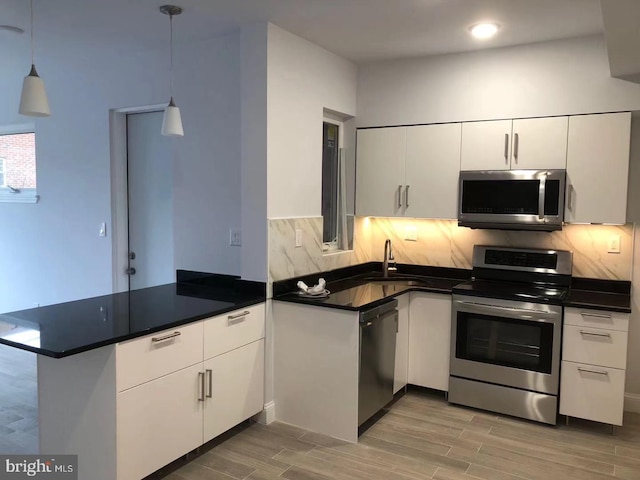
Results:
388 257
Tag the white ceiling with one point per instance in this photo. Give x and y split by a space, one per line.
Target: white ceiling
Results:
360 30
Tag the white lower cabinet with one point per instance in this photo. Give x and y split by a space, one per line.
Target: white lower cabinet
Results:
429 340
174 408
400 378
158 422
594 363
593 393
234 388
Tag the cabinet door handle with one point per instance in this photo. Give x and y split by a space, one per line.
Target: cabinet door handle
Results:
506 147
210 380
237 318
593 334
570 198
201 382
399 196
596 315
164 338
516 146
587 370
406 196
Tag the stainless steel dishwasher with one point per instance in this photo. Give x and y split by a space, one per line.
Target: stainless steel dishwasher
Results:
378 327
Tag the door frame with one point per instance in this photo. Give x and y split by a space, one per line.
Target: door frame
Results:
119 197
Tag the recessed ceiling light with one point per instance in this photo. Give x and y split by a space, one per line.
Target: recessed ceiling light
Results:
11 29
484 30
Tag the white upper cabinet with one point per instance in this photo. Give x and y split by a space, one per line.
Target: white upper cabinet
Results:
598 168
486 145
526 144
380 171
408 171
431 169
539 143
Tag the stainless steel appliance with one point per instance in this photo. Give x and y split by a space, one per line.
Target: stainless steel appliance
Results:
512 199
378 327
506 332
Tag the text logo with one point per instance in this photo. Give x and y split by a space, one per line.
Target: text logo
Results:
46 467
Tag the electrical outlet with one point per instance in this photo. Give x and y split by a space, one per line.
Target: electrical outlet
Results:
235 237
298 237
613 245
411 233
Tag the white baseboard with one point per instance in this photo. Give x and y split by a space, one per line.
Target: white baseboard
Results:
632 402
267 415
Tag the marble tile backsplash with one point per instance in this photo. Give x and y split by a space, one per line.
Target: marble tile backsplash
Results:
286 260
441 243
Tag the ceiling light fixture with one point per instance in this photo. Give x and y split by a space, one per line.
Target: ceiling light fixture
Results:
172 121
33 100
484 30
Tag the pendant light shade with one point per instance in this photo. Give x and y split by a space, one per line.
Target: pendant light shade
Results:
33 100
172 121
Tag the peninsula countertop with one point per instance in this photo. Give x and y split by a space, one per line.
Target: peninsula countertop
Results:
73 327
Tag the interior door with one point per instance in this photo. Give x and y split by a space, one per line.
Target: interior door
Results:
150 202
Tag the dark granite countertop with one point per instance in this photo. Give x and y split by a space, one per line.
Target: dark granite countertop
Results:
361 287
612 295
73 327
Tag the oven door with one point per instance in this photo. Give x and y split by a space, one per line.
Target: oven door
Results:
504 342
512 199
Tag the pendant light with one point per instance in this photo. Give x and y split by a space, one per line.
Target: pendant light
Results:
172 121
33 100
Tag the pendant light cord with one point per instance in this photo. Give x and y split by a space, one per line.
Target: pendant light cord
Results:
170 55
31 6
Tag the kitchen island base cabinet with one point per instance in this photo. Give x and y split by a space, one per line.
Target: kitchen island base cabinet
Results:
429 340
129 409
158 422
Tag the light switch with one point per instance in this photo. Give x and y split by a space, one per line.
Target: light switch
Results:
298 237
614 244
102 230
235 237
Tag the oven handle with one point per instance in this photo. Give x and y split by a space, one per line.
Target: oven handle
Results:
525 313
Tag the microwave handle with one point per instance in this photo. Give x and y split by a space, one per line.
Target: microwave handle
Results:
541 195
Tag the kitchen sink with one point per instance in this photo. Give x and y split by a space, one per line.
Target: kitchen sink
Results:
410 282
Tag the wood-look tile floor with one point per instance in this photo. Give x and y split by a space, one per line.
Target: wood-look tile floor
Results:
423 437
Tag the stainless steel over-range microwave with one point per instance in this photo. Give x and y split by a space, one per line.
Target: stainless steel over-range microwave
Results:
512 199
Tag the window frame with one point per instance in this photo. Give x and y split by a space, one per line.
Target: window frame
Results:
24 195
333 246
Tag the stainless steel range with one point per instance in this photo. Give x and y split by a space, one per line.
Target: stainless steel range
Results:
506 332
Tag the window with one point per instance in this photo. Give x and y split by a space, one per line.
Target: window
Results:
337 176
18 164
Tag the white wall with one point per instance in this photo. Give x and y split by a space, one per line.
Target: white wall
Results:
51 251
550 78
302 80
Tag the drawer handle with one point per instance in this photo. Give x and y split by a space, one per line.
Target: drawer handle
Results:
201 381
597 372
164 338
210 380
238 317
595 315
604 335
